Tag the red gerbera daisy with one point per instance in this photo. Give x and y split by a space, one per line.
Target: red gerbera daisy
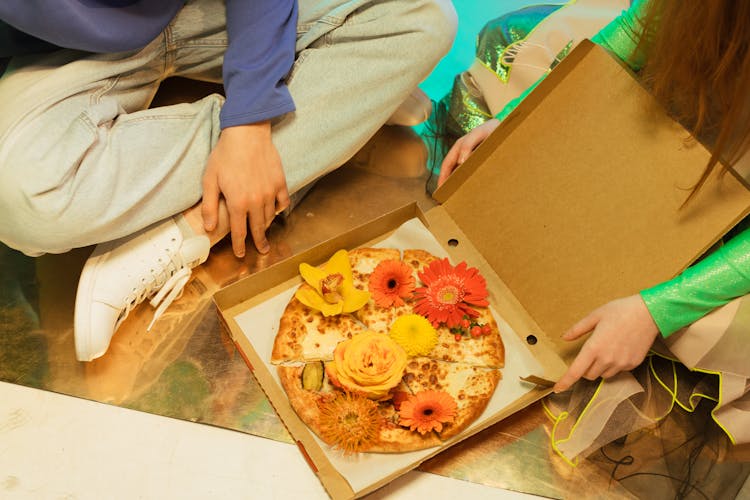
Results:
391 282
449 293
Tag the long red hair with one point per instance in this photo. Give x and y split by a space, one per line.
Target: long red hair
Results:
698 65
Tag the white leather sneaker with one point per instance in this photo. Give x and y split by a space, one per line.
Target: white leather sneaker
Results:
153 263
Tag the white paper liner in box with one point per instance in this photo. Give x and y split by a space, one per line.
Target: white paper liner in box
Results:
363 469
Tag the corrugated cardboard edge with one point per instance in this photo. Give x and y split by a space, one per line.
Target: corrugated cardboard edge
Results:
508 126
250 291
506 135
511 122
253 290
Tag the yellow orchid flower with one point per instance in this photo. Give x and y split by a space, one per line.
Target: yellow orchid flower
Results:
331 288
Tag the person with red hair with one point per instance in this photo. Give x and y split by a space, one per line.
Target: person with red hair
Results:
694 56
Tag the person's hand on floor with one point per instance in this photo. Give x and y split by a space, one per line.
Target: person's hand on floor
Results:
246 170
623 331
463 147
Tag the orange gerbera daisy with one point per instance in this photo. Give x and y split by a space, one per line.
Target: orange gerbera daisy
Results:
427 411
449 293
349 422
391 282
398 398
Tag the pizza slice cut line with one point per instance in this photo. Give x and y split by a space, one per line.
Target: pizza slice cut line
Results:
466 370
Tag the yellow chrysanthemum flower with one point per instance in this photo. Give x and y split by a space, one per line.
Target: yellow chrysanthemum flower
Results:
330 287
414 333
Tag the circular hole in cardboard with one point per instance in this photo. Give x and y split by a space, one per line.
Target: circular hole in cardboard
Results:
453 242
531 339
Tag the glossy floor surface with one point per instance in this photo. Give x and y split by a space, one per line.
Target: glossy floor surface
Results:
187 367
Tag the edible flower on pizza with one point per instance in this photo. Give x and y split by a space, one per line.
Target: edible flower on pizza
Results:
379 372
427 411
450 292
414 333
391 282
329 288
370 364
350 421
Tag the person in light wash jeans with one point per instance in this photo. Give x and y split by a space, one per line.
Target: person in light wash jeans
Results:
83 160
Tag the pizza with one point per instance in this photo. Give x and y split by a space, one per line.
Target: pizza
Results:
386 351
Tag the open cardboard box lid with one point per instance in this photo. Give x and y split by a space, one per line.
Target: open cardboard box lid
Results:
574 200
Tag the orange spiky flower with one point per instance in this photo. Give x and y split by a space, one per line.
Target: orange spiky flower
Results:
349 422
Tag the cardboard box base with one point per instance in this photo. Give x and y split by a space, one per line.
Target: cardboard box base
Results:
258 315
573 201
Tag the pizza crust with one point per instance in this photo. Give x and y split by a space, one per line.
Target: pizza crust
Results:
486 350
471 386
392 437
306 335
365 260
417 259
467 369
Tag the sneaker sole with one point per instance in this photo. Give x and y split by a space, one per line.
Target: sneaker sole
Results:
82 312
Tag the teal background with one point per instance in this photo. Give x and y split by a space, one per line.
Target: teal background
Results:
472 16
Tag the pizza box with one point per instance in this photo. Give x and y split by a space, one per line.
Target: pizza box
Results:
574 200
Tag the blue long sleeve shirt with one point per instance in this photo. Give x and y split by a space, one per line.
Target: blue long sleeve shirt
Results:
262 35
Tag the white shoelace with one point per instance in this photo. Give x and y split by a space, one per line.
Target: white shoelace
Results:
167 291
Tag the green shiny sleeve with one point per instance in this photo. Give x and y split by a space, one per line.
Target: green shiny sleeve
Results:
513 104
712 282
618 37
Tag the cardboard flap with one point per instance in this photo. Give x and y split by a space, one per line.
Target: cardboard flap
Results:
575 198
250 309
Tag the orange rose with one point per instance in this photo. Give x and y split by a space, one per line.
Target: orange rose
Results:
369 363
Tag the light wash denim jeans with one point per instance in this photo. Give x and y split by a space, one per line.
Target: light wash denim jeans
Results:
84 160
